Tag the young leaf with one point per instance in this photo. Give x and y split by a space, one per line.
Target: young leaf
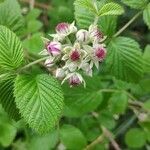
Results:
146 15
124 59
11 51
118 103
7 99
72 137
40 101
137 4
80 100
135 138
111 9
10 15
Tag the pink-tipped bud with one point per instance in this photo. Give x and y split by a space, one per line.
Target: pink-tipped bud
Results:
54 48
82 35
62 28
95 33
75 55
60 73
100 53
74 80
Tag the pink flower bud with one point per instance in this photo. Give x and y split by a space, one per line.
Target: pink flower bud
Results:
62 28
82 35
74 80
95 33
75 55
54 48
100 53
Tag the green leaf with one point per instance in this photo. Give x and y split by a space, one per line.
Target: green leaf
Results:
88 4
40 101
1 1
33 14
83 17
111 9
137 4
7 134
145 84
135 138
80 100
146 58
106 119
147 105
11 52
108 25
7 99
124 59
45 142
34 44
146 15
34 26
7 129
72 137
10 15
118 103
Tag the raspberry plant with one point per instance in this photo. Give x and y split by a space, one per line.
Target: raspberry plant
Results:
83 86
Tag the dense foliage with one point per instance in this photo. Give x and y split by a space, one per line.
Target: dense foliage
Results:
112 111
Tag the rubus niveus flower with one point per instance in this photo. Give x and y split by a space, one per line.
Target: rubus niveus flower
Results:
73 52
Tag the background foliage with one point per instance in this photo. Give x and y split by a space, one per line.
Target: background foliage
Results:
112 112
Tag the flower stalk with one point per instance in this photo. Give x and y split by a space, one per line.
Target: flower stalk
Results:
128 24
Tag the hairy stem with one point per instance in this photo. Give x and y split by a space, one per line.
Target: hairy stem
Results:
33 63
128 24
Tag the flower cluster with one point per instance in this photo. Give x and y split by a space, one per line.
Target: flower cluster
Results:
74 51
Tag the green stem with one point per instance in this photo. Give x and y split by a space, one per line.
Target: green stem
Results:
33 63
128 24
114 90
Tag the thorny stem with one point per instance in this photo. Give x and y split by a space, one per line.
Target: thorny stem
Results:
128 23
33 63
